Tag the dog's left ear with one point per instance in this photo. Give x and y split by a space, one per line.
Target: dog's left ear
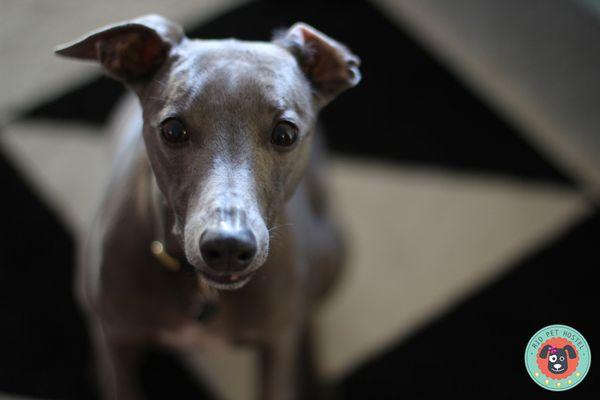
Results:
329 66
570 351
128 51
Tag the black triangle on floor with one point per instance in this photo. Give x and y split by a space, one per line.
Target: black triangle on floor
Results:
408 107
44 349
164 377
477 349
91 103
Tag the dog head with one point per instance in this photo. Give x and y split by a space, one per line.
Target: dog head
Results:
227 127
558 358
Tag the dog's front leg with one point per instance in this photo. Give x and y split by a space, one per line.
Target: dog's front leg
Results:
117 361
279 367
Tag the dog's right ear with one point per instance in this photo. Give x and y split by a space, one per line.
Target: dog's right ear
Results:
544 352
129 51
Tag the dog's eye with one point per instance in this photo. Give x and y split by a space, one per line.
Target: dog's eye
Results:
173 131
552 358
284 135
562 358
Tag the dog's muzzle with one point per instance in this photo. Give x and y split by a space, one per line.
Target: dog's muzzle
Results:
226 249
227 246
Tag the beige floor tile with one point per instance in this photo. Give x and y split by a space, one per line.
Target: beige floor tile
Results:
420 240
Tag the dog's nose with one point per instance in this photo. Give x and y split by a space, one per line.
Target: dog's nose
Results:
557 366
227 250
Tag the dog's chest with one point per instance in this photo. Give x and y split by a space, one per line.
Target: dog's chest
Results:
212 321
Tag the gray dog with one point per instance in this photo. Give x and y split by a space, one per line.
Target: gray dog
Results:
227 153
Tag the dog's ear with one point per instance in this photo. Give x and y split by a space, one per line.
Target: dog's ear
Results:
329 66
129 51
544 352
570 351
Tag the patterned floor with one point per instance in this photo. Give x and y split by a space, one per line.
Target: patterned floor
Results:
466 236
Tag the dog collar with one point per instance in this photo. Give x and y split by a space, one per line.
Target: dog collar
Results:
171 263
159 251
157 248
208 307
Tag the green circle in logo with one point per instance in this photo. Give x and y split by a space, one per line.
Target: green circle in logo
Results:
557 357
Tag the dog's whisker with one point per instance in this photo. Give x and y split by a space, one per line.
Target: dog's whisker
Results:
273 235
279 226
160 82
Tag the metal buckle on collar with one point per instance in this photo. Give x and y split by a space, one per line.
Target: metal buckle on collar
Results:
170 262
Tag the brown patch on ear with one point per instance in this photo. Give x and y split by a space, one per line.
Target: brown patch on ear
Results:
329 66
131 56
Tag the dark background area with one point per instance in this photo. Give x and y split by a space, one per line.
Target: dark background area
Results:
408 108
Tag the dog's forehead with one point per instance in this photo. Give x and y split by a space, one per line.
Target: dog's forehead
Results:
235 68
206 52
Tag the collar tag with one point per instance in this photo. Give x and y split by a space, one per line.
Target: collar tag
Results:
171 263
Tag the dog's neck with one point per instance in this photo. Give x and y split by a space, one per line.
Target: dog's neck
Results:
164 245
164 240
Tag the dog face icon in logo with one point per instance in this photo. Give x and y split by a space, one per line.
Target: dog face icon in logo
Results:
558 358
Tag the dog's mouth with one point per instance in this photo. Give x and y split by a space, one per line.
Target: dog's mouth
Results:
556 370
230 281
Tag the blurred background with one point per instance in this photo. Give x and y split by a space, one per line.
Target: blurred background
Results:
465 169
